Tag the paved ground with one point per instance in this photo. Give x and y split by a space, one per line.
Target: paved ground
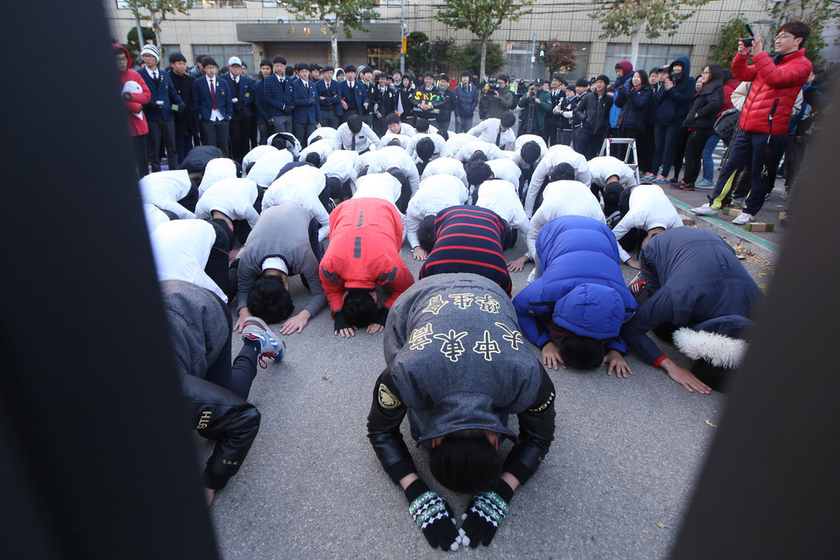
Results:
615 485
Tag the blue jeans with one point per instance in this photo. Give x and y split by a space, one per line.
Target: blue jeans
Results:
465 125
708 162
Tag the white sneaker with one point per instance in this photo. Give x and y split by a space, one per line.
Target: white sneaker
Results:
743 218
705 210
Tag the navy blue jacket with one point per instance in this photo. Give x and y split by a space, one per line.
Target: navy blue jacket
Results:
165 91
260 103
245 99
634 105
277 96
331 95
386 102
694 276
307 109
203 102
581 288
674 102
359 94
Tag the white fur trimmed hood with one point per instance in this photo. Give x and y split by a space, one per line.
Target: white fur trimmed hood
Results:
720 350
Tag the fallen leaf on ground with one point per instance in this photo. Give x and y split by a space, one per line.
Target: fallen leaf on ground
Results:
710 424
661 525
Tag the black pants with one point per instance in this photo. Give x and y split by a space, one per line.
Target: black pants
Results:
240 134
162 133
215 133
679 152
347 114
265 130
588 144
302 131
329 118
191 199
694 147
183 145
238 377
141 155
644 149
317 246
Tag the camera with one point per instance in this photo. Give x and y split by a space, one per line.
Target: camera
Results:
748 41
493 84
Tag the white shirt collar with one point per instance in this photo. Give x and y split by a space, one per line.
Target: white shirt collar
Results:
276 263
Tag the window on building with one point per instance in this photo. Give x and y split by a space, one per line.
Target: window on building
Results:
383 57
650 56
219 3
221 53
519 62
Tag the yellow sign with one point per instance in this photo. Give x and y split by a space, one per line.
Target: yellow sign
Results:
404 45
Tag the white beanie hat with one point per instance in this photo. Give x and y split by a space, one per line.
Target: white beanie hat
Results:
152 50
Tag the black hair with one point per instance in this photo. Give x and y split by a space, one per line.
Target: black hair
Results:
477 157
392 118
504 77
508 119
612 197
797 29
425 149
426 233
314 158
466 73
422 125
199 58
197 176
359 308
314 66
290 71
530 152
644 77
349 68
354 123
269 299
265 62
603 78
428 75
394 142
582 352
301 66
334 187
466 462
177 57
478 173
562 172
443 133
280 59
508 235
208 61
328 68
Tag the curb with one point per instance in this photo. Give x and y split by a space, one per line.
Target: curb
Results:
756 245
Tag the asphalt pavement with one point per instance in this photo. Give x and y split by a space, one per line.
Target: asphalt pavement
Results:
616 483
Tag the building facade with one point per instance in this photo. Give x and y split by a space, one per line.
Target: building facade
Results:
253 30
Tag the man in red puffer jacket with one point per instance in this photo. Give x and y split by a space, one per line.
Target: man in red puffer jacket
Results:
764 120
134 94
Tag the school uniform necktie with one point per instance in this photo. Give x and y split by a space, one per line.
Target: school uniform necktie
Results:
498 137
353 143
213 94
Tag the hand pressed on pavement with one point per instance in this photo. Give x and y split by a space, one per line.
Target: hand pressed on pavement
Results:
296 323
518 264
551 357
433 515
485 513
684 377
615 361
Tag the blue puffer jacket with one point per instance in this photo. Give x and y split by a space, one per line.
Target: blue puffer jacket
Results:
466 100
634 105
674 102
581 288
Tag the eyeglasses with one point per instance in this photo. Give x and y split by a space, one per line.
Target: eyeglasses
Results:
781 36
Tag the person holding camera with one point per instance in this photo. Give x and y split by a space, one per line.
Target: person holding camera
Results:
776 83
497 98
536 104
